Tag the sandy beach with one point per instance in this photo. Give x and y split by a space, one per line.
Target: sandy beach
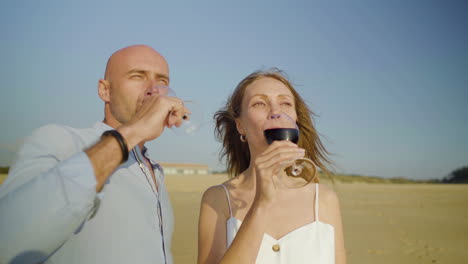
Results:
383 223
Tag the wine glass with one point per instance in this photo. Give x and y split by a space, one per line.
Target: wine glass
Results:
192 117
300 171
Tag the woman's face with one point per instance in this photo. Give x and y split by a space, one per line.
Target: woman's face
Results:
262 99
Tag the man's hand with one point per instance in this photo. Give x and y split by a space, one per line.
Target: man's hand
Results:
153 114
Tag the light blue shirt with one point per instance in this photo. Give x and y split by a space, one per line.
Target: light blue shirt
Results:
50 211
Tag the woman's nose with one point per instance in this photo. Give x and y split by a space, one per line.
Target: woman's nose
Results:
275 116
274 110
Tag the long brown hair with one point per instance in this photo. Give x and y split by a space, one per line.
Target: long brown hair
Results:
237 152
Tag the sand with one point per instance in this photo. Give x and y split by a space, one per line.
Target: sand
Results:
383 223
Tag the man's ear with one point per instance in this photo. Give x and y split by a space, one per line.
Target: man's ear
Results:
103 90
239 127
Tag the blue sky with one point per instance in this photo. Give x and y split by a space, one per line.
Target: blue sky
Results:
388 80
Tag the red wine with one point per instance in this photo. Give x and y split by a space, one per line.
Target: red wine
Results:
273 134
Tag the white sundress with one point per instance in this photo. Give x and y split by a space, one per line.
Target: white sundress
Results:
311 243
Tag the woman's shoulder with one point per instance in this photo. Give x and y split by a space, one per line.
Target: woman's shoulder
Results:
329 205
217 192
213 193
215 197
328 195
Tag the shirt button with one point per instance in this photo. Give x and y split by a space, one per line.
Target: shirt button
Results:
275 248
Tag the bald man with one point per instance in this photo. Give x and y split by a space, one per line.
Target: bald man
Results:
94 195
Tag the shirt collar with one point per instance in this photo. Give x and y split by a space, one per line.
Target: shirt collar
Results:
154 164
102 126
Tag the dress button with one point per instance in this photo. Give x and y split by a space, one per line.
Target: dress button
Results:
275 248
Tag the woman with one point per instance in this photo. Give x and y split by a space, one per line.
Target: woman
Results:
250 218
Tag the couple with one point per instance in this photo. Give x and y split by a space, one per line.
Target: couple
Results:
95 196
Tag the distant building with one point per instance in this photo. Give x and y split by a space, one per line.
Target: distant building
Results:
185 169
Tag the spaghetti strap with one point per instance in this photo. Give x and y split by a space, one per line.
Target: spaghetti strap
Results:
316 202
229 200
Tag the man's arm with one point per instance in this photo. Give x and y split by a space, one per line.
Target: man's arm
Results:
52 186
49 192
105 156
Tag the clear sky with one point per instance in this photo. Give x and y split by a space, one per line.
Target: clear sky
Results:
388 80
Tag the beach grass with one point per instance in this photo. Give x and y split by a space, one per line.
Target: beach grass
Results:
2 177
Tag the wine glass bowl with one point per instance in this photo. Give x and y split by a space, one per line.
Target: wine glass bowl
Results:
300 171
192 118
290 134
193 113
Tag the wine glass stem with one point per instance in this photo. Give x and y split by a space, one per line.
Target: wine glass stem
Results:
296 170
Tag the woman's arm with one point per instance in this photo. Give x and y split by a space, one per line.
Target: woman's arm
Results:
212 234
212 226
333 216
246 244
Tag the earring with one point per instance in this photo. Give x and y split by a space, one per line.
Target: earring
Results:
243 138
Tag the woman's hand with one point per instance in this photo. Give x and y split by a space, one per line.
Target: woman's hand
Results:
267 167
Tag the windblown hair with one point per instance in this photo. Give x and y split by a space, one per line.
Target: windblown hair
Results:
237 153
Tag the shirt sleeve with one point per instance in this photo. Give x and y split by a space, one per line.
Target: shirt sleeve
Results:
48 194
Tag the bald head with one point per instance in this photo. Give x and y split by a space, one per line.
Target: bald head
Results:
131 57
129 73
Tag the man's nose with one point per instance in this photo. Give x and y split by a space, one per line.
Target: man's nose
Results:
158 89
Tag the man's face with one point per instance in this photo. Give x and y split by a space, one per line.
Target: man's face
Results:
131 73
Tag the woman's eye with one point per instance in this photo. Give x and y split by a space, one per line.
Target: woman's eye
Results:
286 104
258 104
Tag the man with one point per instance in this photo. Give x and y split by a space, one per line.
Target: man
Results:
93 195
